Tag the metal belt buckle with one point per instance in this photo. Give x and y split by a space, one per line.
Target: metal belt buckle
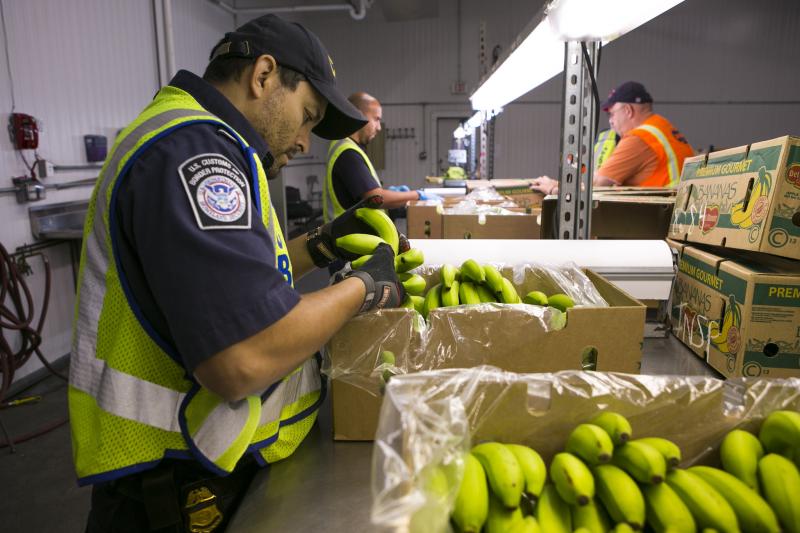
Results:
201 508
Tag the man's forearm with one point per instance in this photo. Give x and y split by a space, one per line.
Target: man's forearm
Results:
302 263
252 365
393 199
602 181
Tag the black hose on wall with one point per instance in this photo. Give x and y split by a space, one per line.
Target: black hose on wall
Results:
17 315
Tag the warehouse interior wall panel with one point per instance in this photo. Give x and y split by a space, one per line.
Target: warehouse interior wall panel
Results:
197 27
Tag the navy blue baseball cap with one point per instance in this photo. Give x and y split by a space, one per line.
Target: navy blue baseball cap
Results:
630 92
294 47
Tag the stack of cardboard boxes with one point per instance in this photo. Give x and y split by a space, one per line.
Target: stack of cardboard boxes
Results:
736 229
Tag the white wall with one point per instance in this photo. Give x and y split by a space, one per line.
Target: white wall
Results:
81 67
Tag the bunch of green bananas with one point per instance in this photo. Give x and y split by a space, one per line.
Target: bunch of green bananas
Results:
473 283
606 481
364 244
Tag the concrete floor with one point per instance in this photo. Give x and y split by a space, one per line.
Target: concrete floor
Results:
38 480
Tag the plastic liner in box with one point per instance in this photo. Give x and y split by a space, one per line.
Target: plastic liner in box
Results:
430 419
449 331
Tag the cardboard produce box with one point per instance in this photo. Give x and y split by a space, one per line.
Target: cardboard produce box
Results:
620 216
515 338
744 198
742 317
430 221
431 419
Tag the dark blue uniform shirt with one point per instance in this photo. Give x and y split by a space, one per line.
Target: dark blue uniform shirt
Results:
200 280
351 178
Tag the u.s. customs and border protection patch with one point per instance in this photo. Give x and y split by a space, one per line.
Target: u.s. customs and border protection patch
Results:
218 192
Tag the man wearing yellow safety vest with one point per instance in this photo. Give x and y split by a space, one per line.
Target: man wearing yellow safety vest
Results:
350 175
193 356
650 151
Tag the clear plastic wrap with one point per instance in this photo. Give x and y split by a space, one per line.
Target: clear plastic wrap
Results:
485 194
465 335
471 207
430 419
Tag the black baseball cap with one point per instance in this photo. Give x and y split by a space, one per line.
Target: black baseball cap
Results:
630 92
294 47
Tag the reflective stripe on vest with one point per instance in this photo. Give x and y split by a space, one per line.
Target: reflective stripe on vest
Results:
606 142
131 403
331 206
669 153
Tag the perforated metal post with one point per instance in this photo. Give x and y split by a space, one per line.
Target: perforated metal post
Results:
490 148
577 137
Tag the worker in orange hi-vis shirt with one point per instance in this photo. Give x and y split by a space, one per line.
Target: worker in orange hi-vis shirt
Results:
650 152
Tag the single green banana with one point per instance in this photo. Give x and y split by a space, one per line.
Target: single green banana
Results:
753 513
501 519
640 460
414 302
582 530
780 433
533 468
591 443
448 275
494 280
552 512
472 271
528 525
739 453
359 243
509 294
666 511
623 528
433 300
471 507
591 517
467 294
667 448
378 220
503 471
535 298
485 294
560 301
616 425
620 495
780 484
413 283
707 506
357 263
408 260
387 358
433 513
572 478
450 296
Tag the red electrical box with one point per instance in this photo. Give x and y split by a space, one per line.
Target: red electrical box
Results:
24 131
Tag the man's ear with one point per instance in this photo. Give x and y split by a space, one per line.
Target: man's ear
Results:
265 71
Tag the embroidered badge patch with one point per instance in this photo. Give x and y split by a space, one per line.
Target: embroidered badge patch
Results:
218 192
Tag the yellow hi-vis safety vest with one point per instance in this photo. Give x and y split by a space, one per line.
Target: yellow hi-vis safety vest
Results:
331 206
606 142
131 403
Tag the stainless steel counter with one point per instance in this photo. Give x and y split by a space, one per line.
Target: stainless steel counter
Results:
325 485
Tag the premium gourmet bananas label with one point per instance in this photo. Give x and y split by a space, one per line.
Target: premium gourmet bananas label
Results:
743 319
746 198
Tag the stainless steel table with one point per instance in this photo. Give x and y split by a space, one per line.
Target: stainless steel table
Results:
325 485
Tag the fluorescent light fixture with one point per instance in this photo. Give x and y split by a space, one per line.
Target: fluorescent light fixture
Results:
534 61
540 55
593 20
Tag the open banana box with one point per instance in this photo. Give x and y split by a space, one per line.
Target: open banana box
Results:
604 331
430 419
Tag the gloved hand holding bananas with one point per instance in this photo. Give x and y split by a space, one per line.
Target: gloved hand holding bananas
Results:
607 481
359 228
383 288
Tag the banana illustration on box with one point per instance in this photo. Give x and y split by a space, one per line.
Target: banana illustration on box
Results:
727 339
743 216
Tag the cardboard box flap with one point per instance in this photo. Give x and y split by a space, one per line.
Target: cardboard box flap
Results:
432 418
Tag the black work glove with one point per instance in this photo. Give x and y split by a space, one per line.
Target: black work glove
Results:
321 242
384 290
